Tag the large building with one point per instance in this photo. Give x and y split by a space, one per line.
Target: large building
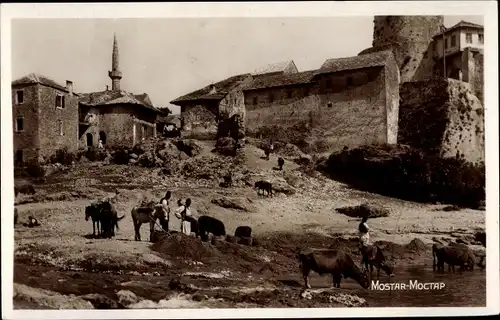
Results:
48 116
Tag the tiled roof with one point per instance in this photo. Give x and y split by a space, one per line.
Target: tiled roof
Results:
461 24
33 78
273 67
113 97
281 80
222 88
144 98
356 62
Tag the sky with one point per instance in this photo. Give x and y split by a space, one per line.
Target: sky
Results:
167 58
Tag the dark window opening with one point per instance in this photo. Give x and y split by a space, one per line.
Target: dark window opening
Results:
19 124
19 97
60 101
19 157
255 101
481 38
102 137
468 37
349 81
329 105
446 43
453 40
328 84
90 140
306 91
372 76
289 94
271 97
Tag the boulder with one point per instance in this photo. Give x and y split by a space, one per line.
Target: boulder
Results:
38 298
126 297
232 203
100 301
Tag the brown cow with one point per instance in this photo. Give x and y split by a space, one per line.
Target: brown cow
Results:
454 256
373 256
335 262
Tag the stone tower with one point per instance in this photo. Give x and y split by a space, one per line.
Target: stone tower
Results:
115 73
410 37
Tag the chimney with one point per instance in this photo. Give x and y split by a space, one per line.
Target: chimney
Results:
69 86
212 89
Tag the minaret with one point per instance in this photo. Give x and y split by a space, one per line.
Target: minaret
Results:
115 73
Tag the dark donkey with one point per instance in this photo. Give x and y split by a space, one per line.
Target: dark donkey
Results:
373 256
94 211
335 262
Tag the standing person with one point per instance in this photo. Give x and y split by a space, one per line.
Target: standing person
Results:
364 236
182 212
165 210
100 144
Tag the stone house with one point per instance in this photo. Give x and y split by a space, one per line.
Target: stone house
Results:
346 102
116 117
45 118
202 110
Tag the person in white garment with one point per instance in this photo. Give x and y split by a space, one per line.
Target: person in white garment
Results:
181 213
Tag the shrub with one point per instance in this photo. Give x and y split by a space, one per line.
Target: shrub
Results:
63 156
34 170
408 173
121 155
95 154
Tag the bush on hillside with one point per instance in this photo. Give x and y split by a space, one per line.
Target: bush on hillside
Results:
121 155
35 170
408 173
63 156
95 154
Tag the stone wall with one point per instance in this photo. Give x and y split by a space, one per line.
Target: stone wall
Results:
58 127
337 112
409 37
27 140
199 121
392 80
442 117
473 71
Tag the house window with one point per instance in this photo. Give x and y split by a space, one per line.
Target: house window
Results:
468 37
289 94
19 157
349 81
329 105
255 101
19 97
19 124
481 38
61 128
446 43
453 41
60 103
271 97
306 91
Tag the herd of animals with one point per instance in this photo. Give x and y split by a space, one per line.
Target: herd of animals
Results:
338 263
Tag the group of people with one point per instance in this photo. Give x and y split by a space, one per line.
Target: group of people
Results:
183 212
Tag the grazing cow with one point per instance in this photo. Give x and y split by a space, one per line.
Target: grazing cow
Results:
16 216
281 162
211 225
94 212
24 188
454 256
194 224
264 186
335 262
243 231
145 214
373 256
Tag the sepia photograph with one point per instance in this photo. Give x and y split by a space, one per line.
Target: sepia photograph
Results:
246 161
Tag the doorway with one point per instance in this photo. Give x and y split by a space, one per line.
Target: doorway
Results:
90 140
102 137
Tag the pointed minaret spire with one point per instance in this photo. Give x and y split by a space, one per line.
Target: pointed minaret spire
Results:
115 73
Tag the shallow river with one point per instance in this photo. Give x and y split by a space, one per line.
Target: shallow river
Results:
462 289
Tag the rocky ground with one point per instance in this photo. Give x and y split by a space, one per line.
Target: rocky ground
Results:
58 265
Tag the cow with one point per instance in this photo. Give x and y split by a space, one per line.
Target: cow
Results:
264 186
435 248
454 256
372 256
145 214
109 219
25 188
243 231
194 224
211 225
335 262
281 162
